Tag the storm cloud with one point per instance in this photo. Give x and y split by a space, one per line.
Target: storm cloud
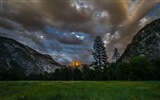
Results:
66 29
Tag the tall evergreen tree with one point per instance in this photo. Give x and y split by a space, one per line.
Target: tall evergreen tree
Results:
116 55
99 54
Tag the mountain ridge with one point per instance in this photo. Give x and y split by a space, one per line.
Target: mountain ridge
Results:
145 43
24 56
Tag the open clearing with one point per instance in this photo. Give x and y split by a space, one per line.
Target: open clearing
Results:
80 90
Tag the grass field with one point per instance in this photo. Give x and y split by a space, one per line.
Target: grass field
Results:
79 90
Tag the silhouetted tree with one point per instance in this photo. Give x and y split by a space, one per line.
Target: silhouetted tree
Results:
140 69
56 74
116 55
122 71
156 72
99 54
77 74
111 75
87 73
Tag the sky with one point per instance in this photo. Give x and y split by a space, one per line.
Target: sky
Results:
66 29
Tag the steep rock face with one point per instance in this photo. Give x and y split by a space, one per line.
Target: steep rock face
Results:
24 58
145 43
75 63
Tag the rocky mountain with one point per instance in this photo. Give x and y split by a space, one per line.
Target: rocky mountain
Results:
145 43
75 63
14 55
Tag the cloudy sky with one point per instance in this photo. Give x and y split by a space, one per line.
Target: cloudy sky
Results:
66 29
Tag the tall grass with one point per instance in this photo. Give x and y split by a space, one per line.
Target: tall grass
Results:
79 90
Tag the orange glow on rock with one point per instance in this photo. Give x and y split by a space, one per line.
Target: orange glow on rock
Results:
75 63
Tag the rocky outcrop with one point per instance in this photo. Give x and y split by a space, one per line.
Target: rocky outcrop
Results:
145 43
75 63
16 55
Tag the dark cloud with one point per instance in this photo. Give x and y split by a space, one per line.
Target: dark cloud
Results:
115 21
24 14
54 45
32 38
66 16
117 10
7 24
36 15
63 11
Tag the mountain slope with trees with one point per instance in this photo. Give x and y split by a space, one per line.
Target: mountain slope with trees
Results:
145 43
19 59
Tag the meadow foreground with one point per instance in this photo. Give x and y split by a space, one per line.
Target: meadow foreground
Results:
78 90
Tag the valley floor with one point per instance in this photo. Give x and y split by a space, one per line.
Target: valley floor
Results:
80 90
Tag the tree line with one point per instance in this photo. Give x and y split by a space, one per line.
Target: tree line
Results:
139 68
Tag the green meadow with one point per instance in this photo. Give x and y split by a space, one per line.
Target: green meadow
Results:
80 90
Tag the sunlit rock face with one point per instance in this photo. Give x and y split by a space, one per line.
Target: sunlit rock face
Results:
75 63
23 58
145 43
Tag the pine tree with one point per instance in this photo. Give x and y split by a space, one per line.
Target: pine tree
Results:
116 55
99 54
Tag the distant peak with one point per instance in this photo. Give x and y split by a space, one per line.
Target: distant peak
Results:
75 63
